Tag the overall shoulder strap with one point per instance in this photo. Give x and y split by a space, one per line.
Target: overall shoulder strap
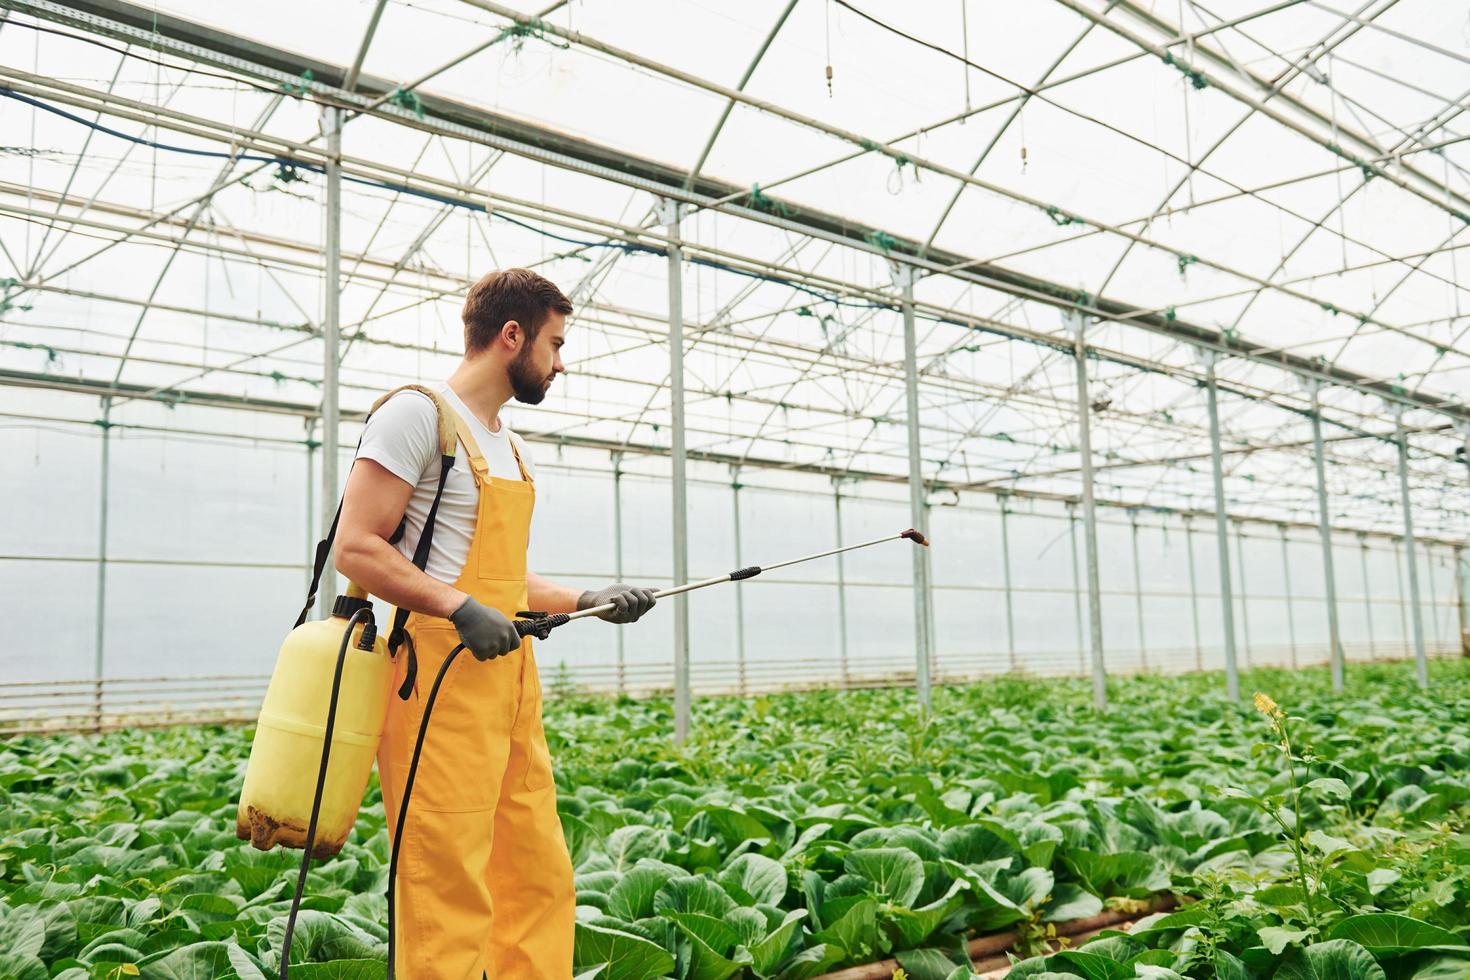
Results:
477 459
515 451
471 447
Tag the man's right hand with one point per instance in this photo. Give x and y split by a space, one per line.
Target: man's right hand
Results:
486 632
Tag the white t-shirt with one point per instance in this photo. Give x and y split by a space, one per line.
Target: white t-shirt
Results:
403 437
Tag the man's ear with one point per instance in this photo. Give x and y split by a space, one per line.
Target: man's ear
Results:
512 334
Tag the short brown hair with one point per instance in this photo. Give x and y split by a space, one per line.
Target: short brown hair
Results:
509 294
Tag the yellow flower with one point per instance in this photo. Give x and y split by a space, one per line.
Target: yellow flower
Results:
1266 706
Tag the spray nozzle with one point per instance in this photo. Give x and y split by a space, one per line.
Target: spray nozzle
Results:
915 537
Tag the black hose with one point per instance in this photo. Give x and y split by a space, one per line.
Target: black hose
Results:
413 768
362 615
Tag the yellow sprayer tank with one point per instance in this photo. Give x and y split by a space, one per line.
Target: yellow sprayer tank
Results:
285 759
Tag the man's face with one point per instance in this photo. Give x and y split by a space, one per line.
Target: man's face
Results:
539 362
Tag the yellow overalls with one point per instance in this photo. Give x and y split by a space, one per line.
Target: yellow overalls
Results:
484 878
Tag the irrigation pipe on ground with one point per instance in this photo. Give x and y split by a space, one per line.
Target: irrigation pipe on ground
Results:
988 953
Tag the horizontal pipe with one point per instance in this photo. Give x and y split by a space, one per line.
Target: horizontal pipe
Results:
111 707
87 721
189 679
989 946
90 728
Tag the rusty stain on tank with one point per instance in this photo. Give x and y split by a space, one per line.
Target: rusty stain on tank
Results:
265 832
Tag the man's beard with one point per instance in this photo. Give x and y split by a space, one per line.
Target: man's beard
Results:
526 383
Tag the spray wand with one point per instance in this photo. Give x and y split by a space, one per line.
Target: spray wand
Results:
540 624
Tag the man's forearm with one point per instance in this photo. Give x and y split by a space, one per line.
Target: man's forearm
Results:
383 570
545 595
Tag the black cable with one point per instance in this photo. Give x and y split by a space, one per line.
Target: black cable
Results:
413 767
239 80
363 615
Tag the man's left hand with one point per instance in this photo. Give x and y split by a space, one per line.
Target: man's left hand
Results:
629 603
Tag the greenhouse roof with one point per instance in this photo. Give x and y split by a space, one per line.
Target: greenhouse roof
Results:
1276 192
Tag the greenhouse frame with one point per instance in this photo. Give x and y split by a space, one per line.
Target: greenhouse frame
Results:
1199 406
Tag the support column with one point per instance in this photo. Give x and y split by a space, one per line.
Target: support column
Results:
1432 639
1005 557
1138 594
841 588
1222 535
622 661
1245 617
671 218
904 279
1076 588
104 491
1409 560
1199 653
311 535
739 586
331 346
1078 324
1367 596
1463 571
1462 600
936 664
1286 580
1337 657
1398 572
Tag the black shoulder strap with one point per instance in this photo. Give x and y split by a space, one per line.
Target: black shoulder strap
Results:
398 634
323 549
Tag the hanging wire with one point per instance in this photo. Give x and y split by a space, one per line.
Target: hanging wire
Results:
965 41
1167 196
827 31
157 101
31 160
1342 207
1021 122
1454 264
1188 138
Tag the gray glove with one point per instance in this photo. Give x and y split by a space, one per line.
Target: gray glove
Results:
486 632
629 603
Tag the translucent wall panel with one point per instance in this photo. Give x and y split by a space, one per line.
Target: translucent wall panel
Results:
49 486
164 620
783 646
52 632
776 525
208 544
970 630
1044 603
